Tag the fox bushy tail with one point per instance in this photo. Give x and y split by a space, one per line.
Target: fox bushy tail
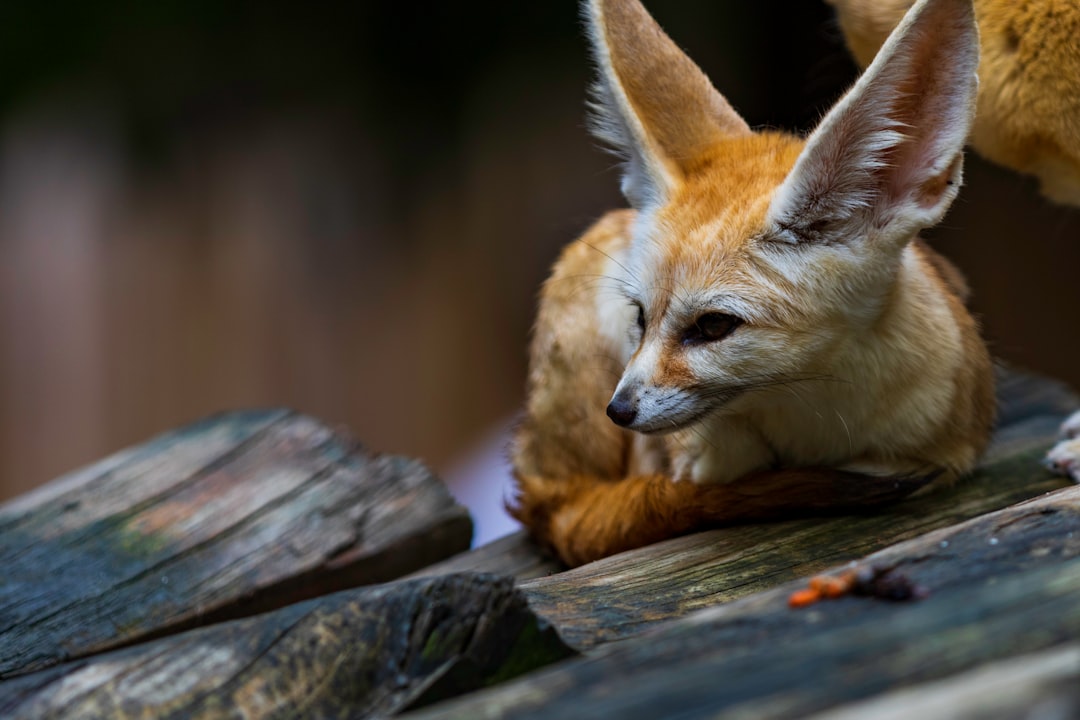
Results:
585 518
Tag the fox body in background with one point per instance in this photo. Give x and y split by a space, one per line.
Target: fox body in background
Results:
1028 115
1028 111
762 332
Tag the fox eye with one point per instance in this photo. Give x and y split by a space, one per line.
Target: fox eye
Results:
641 318
710 327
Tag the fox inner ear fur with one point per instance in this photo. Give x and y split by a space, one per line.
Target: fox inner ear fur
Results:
651 104
887 159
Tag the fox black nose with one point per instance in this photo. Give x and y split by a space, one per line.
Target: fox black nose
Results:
621 411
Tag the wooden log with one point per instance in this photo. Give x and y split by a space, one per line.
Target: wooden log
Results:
359 653
1000 585
231 516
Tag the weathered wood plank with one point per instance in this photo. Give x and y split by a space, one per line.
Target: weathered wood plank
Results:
358 653
1001 585
1039 685
231 516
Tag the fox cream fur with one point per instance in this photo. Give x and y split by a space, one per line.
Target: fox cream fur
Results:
1028 115
762 333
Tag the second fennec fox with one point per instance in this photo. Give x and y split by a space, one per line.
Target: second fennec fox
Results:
763 332
1028 114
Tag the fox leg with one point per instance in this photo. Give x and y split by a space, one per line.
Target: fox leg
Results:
1064 458
584 518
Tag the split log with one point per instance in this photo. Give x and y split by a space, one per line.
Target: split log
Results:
1001 585
231 516
359 653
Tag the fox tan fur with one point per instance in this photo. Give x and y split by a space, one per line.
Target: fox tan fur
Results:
1028 115
762 333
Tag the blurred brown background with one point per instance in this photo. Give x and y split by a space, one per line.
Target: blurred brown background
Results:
347 208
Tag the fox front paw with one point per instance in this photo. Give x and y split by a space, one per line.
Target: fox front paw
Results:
1064 458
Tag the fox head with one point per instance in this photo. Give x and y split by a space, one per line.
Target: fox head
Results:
757 256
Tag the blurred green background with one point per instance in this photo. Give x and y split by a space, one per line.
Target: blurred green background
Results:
347 208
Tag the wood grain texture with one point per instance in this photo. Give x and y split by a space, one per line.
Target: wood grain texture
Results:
359 653
1001 585
230 516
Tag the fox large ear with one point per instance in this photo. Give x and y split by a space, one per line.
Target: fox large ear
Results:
887 159
652 104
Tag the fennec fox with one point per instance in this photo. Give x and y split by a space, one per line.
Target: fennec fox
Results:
762 332
1028 111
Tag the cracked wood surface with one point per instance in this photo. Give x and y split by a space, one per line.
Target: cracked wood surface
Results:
359 653
230 516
